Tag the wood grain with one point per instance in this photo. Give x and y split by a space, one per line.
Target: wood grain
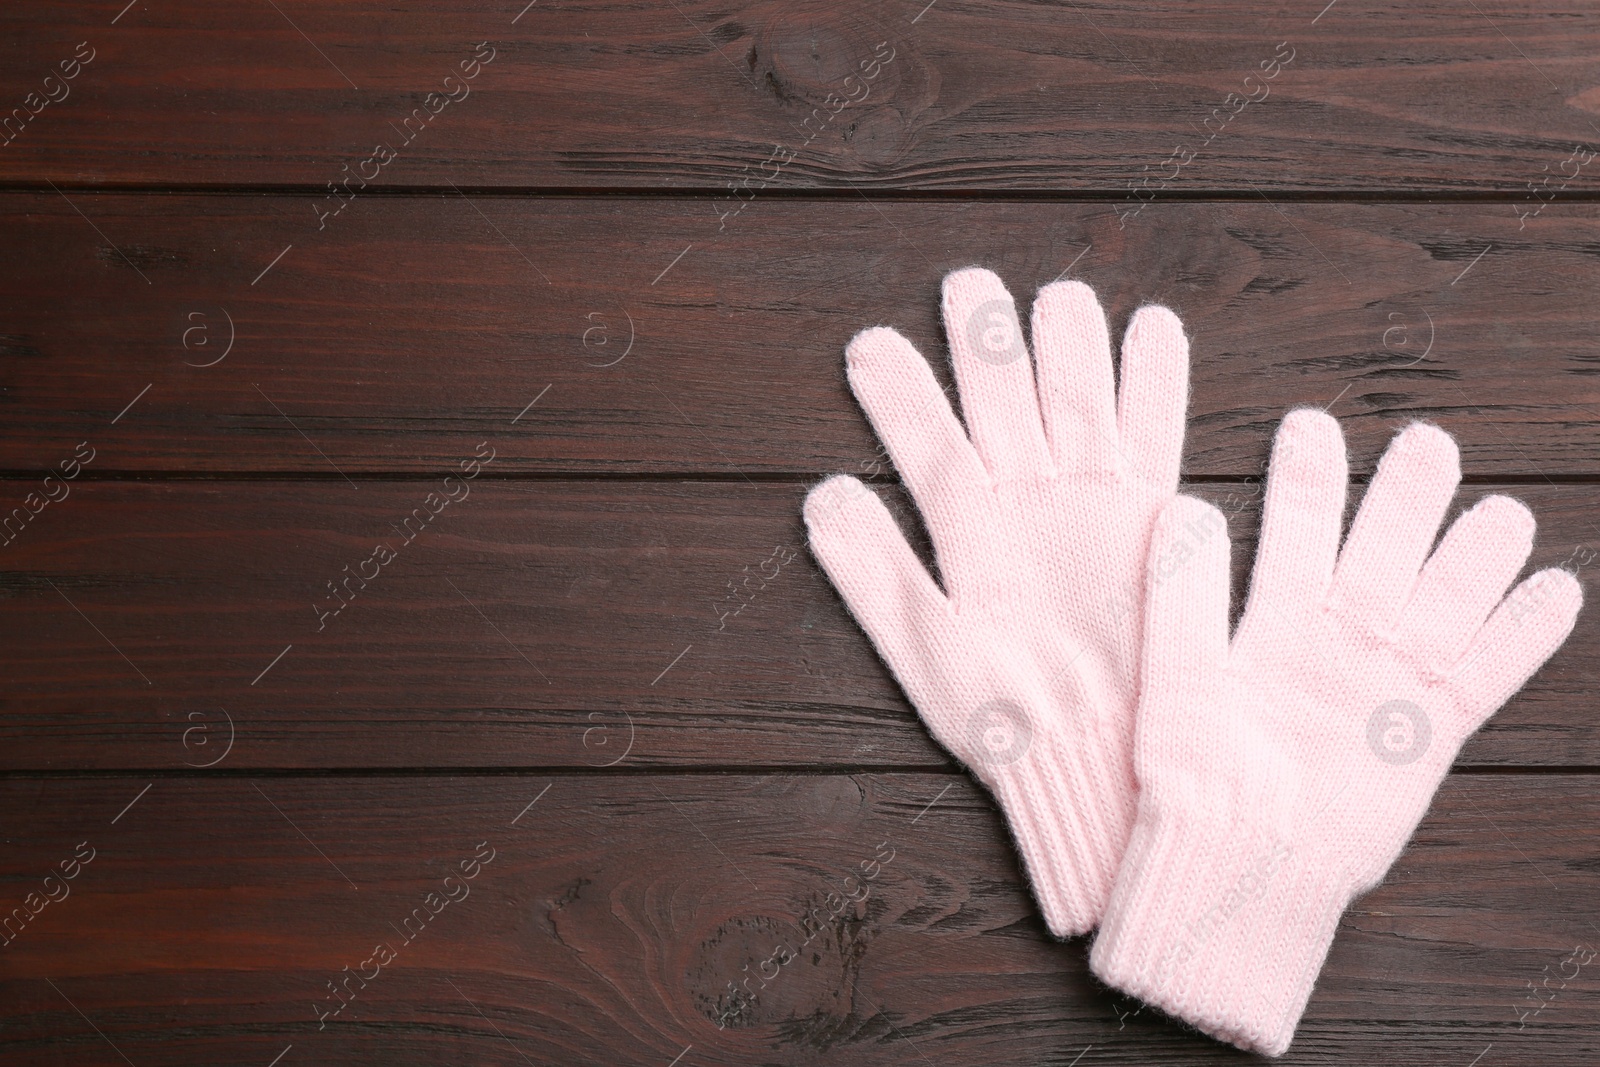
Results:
616 911
978 96
544 624
627 262
579 337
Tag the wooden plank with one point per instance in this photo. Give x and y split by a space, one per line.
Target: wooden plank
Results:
531 624
421 327
615 912
958 96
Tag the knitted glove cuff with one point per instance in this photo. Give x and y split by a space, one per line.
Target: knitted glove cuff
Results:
1071 814
1225 928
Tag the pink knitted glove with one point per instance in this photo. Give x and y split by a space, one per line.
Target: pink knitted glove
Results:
1024 666
1282 773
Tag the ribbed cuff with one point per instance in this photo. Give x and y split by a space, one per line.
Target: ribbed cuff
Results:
1071 817
1225 929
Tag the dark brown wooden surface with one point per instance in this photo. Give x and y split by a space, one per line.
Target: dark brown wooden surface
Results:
616 911
412 329
978 96
569 624
627 264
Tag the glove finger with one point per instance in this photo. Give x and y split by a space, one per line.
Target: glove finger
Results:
881 580
912 416
1464 579
1077 395
1186 596
1524 631
1397 524
1301 517
1154 394
994 373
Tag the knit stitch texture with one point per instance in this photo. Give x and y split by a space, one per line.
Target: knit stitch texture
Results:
1024 664
1282 773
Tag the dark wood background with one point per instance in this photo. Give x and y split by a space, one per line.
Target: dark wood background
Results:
577 266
